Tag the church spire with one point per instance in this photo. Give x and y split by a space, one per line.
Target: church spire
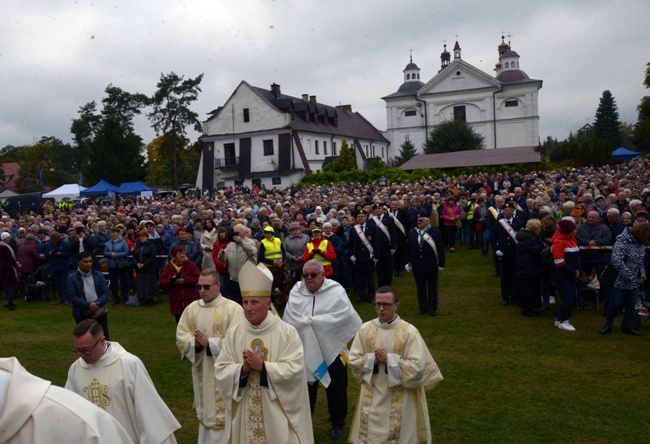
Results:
445 58
456 50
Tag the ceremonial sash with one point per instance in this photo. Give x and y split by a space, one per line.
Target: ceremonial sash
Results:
430 241
509 229
364 239
494 212
398 223
381 226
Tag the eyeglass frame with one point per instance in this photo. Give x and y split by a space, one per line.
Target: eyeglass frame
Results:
384 304
84 352
200 287
311 275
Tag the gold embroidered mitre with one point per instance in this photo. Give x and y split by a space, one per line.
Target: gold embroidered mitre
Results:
255 281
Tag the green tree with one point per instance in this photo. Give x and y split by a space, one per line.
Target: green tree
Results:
607 124
407 151
642 126
452 135
47 157
346 161
160 166
106 146
171 114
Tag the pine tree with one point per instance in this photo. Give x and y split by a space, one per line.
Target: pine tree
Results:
452 135
607 124
407 151
347 160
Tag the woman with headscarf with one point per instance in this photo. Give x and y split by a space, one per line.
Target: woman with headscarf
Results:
144 257
180 277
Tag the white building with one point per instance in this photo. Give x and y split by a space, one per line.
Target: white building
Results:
263 136
503 108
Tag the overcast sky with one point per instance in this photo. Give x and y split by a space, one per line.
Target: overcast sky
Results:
57 55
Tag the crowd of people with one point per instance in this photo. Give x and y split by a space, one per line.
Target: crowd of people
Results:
320 248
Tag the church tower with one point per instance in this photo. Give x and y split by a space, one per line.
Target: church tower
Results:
445 58
456 51
412 72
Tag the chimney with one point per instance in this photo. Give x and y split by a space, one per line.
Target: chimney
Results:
346 108
305 97
275 90
312 99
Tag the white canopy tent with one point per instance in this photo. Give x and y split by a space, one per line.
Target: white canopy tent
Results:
69 191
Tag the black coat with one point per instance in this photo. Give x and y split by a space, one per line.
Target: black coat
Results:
529 255
421 255
502 239
358 249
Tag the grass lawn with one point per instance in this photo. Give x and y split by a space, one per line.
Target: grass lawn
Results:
508 378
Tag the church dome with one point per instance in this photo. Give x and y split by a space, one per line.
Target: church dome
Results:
512 75
410 87
411 66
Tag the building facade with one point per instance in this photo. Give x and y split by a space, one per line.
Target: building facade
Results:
263 136
502 108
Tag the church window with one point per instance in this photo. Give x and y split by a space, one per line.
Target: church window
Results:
418 76
410 112
510 103
459 113
408 76
507 65
457 73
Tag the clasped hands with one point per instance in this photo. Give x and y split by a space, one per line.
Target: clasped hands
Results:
252 361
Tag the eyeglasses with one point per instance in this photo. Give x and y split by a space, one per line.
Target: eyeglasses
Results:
384 304
86 351
311 275
205 287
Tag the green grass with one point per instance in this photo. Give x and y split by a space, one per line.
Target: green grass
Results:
508 378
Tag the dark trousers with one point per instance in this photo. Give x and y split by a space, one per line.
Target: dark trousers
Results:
427 289
60 279
337 393
235 292
102 320
471 234
399 259
508 277
119 277
385 270
364 285
451 235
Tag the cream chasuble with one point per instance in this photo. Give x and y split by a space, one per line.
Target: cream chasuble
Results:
33 410
119 384
213 319
275 414
392 406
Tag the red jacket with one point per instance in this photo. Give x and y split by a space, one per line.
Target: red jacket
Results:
222 267
180 295
322 255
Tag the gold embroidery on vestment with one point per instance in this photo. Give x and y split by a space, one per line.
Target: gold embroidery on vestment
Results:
98 394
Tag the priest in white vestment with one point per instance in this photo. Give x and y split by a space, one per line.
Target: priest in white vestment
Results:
393 364
199 337
33 410
261 371
326 321
117 382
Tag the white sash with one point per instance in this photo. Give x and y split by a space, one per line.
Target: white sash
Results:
364 239
509 229
430 241
381 226
398 223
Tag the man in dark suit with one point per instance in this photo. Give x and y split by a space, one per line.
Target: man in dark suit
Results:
505 248
386 244
363 246
400 218
425 254
493 215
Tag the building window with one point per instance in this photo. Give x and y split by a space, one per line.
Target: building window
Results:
459 113
408 76
316 146
325 147
276 180
507 65
410 112
382 152
510 103
268 147
247 117
334 148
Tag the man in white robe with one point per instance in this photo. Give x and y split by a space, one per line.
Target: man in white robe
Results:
326 321
117 382
261 371
393 364
199 336
33 410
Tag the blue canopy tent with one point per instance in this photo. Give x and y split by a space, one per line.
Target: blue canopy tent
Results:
623 154
134 188
101 188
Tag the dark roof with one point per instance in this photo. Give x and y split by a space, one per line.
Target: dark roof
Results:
510 53
512 75
499 156
411 66
323 118
410 87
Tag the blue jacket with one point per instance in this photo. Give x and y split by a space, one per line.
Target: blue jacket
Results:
77 296
118 246
57 263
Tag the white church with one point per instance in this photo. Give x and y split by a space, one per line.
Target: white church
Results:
502 108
